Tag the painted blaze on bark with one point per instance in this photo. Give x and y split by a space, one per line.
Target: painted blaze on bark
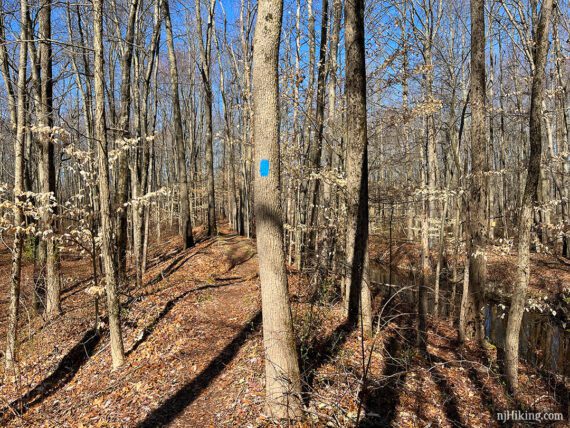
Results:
283 385
264 168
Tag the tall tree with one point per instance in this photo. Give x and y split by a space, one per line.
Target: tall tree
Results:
205 66
539 57
562 128
141 170
185 219
47 166
316 146
19 148
5 70
121 196
357 290
472 325
330 158
113 304
282 378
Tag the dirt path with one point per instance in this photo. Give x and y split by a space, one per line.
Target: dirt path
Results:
183 333
194 358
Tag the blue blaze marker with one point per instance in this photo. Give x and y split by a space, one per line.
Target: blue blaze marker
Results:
264 167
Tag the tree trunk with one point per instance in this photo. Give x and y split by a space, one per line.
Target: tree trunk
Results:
316 147
473 322
440 256
425 261
562 132
19 146
206 59
46 167
185 220
6 74
329 212
282 376
357 290
540 53
113 304
121 196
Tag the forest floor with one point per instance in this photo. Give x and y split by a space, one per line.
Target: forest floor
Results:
194 356
550 274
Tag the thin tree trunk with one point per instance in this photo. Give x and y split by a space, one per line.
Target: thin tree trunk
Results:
121 196
330 209
185 220
540 53
206 59
113 304
47 168
440 256
298 238
316 147
425 262
464 297
473 322
19 147
5 70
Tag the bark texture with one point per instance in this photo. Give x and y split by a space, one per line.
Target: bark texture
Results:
19 145
282 378
113 304
357 291
47 167
516 310
121 196
205 65
185 220
473 323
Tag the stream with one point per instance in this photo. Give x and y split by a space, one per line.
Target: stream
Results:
544 343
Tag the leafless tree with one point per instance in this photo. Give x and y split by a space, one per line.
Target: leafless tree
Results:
282 378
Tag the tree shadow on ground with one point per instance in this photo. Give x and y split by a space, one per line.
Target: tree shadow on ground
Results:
229 236
159 257
63 374
561 394
561 391
486 394
174 405
177 263
149 329
76 287
468 361
320 353
450 399
382 401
